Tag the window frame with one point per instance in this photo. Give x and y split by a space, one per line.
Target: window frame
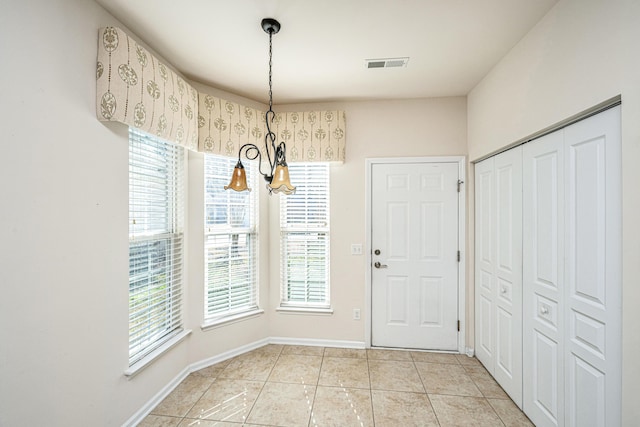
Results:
223 167
149 225
306 228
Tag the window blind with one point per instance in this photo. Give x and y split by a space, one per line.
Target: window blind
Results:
156 213
304 237
231 240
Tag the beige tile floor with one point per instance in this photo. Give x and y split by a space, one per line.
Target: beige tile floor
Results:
314 386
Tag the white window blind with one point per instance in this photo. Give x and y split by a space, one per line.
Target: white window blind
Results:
231 240
156 213
304 237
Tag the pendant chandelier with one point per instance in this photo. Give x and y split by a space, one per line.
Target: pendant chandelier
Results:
278 175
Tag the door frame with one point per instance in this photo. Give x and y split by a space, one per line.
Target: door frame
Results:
462 215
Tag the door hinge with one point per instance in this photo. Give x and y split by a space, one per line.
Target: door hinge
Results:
458 326
460 182
458 256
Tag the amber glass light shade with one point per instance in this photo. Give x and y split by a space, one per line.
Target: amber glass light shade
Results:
238 179
280 182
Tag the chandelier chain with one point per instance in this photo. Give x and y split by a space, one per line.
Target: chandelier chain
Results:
270 72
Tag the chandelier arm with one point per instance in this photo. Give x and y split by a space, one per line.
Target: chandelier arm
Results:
270 141
248 153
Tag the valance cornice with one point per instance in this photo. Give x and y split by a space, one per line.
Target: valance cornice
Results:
137 89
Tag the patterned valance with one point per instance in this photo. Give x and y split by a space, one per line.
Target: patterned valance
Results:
225 126
312 136
135 88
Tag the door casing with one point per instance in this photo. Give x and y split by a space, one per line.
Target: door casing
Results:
462 215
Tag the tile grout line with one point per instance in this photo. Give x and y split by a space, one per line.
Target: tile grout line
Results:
313 404
373 412
264 383
425 391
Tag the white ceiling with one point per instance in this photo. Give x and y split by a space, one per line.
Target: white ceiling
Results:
319 55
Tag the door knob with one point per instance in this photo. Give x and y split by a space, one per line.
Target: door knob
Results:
378 265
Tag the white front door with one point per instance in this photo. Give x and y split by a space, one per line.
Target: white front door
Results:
414 277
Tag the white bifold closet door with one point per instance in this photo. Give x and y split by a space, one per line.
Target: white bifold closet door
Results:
498 274
572 274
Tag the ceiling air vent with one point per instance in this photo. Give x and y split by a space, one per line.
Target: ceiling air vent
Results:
387 63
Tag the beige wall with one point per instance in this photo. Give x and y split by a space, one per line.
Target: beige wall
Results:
431 127
64 245
63 234
582 53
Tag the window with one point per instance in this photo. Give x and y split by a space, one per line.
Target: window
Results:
304 234
156 170
231 241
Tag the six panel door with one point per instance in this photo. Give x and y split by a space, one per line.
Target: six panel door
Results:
414 287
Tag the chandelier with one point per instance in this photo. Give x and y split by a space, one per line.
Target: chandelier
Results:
277 176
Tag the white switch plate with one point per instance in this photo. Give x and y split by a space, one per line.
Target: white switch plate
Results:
356 314
356 249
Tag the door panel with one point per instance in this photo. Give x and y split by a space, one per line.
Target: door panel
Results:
587 396
543 222
397 301
499 269
415 227
545 389
508 272
484 272
593 282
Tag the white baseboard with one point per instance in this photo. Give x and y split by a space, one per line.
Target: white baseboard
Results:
155 400
205 363
317 343
470 351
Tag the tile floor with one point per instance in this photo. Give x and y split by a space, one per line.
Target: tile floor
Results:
315 386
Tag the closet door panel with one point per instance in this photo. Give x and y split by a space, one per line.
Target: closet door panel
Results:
485 263
543 234
508 272
592 256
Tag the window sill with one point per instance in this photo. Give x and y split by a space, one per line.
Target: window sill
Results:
134 369
328 311
213 324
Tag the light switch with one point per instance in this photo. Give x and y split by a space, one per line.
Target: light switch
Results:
356 249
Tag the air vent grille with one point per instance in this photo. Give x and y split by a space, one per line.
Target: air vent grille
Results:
387 63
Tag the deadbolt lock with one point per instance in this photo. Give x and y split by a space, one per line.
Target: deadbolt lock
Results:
377 252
